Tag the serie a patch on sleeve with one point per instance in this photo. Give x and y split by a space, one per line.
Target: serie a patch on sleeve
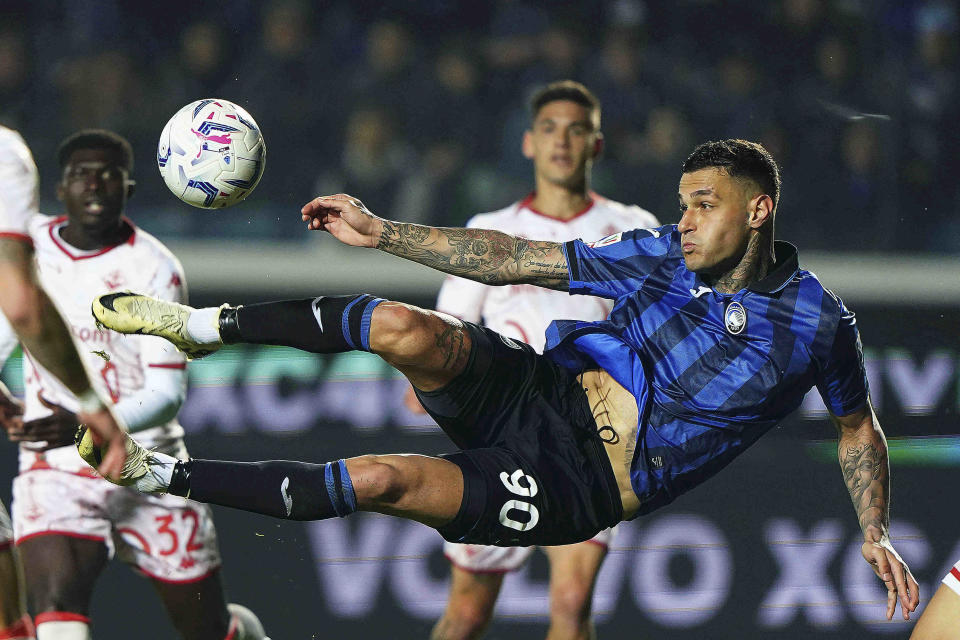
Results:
602 242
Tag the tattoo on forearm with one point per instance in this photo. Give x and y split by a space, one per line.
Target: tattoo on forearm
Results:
491 257
865 471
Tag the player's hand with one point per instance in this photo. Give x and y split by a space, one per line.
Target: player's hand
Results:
412 402
104 428
11 411
56 429
345 218
890 567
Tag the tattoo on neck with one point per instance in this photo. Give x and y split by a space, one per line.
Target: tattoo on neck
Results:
753 266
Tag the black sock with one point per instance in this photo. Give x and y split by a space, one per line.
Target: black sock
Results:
278 488
328 324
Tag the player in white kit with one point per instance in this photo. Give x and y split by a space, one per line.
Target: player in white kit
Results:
68 522
563 141
941 617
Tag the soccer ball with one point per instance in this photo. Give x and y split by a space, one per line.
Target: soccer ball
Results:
211 154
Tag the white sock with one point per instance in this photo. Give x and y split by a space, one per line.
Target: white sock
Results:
202 325
157 479
63 630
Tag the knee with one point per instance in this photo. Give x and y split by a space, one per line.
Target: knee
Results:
378 483
570 600
398 328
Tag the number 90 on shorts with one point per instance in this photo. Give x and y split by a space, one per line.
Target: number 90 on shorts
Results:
514 506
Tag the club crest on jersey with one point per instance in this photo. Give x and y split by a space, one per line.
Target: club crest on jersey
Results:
602 242
735 318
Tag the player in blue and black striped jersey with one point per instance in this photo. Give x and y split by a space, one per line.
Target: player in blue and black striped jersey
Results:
715 336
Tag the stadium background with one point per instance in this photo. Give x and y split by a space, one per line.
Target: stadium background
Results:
418 107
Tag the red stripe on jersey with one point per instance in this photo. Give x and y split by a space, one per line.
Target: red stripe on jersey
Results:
53 230
22 629
955 573
526 204
60 616
169 365
66 534
13 235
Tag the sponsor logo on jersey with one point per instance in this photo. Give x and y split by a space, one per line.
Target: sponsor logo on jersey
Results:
696 293
735 318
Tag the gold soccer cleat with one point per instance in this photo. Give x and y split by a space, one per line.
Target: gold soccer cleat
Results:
128 312
136 465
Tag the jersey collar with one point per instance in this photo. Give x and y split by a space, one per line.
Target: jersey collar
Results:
781 272
526 204
77 254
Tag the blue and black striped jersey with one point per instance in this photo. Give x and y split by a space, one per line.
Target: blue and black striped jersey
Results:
711 372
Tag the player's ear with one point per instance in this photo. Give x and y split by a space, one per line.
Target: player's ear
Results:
131 187
61 191
528 145
598 145
761 210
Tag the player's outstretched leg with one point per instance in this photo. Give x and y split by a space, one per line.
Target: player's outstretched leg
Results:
421 488
428 347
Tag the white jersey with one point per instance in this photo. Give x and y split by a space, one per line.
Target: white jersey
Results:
117 364
18 185
524 311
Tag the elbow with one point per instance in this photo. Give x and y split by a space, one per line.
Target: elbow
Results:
25 310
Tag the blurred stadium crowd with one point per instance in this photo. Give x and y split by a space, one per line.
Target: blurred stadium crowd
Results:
418 106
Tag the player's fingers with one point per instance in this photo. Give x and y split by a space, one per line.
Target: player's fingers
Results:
914 601
891 602
900 584
113 460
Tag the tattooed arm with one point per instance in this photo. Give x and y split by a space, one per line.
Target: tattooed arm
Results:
490 257
866 471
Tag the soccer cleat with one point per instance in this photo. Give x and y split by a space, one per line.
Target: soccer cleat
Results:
128 312
138 469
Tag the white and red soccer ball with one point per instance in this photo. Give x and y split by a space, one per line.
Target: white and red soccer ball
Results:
211 154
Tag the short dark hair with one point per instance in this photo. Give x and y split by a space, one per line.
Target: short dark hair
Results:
96 139
738 159
566 90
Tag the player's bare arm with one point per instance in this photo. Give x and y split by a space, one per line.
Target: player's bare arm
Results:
490 257
862 453
42 332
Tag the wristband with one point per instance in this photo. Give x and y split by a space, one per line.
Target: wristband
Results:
89 401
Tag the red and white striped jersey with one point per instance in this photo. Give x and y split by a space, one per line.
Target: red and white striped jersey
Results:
117 364
18 185
524 311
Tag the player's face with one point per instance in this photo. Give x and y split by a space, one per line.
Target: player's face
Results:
94 188
715 223
562 143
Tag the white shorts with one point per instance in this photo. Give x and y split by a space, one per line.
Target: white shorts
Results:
166 537
952 579
478 558
6 529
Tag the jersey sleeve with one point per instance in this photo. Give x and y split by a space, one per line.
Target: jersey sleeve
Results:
462 298
618 264
18 186
842 381
167 283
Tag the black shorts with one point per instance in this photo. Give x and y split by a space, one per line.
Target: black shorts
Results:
535 471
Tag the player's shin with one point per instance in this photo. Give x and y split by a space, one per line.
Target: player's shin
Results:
328 324
281 488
